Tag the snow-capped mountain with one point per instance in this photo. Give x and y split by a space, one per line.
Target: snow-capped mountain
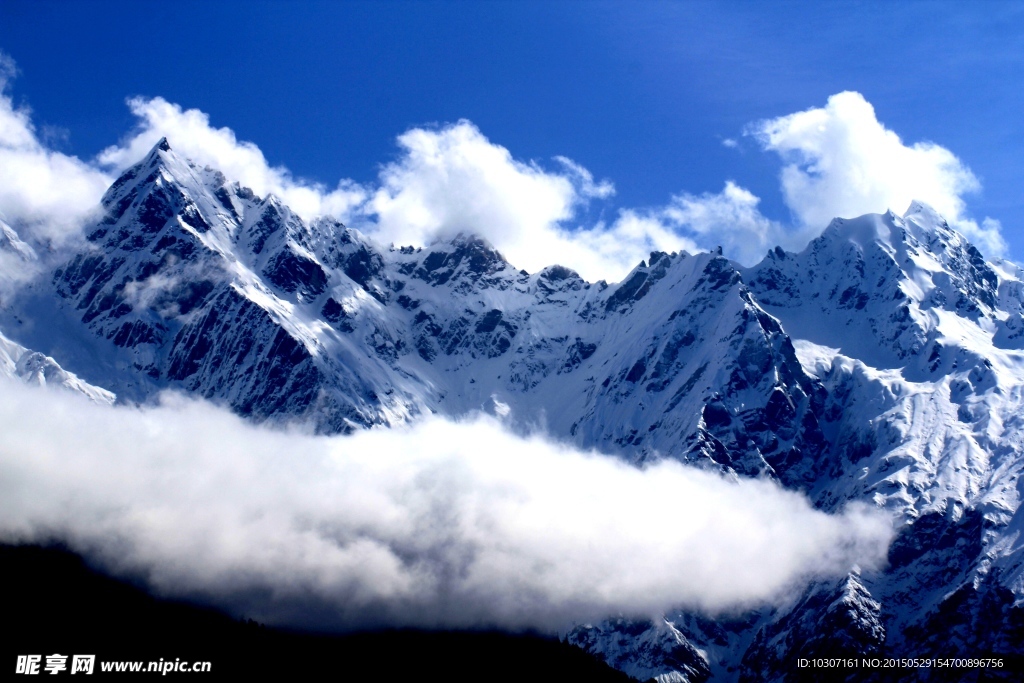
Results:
881 364
909 332
193 282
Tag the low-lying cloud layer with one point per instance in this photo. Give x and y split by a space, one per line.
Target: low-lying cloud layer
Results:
441 524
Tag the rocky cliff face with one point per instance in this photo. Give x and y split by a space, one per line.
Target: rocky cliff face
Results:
881 364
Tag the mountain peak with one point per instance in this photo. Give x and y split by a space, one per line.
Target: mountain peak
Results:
160 157
470 240
863 231
476 253
157 156
922 209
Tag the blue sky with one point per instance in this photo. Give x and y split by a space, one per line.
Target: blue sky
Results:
640 94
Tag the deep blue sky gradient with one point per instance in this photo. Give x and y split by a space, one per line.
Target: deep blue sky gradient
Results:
641 93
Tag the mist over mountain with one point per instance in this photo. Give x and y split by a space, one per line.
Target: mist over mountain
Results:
870 384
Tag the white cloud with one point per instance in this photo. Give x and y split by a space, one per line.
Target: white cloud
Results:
415 526
191 135
45 194
453 179
585 180
988 236
729 219
841 161
610 252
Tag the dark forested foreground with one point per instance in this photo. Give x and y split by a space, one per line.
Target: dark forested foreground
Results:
54 604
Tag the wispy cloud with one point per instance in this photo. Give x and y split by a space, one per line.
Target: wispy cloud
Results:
729 219
415 526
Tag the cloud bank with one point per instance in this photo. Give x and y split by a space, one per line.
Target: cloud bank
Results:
839 160
441 524
729 219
